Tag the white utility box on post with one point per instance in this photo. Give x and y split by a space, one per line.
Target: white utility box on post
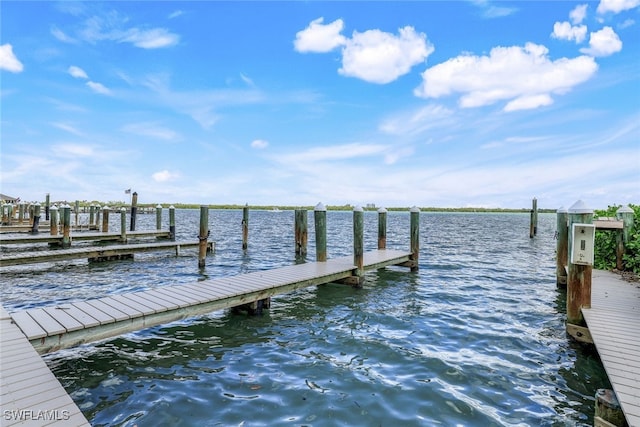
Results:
583 239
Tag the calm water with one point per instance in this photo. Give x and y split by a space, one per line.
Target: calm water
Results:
475 338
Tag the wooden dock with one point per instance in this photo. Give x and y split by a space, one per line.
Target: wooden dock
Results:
78 237
93 253
30 394
614 325
67 325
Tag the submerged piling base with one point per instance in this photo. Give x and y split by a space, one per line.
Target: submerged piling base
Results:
608 412
253 308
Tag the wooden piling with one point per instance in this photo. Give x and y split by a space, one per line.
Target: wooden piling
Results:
20 213
134 210
76 211
203 236
300 231
358 242
105 219
533 227
382 228
92 215
36 218
562 246
579 277
172 222
608 409
123 224
320 221
66 226
626 215
47 206
159 217
53 220
415 238
245 227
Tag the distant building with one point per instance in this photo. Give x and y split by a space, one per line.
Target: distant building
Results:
9 199
371 205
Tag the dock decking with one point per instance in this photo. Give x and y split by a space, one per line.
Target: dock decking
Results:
30 394
614 325
53 328
85 236
92 252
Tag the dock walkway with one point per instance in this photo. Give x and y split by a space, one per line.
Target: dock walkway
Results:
93 252
614 325
30 394
85 236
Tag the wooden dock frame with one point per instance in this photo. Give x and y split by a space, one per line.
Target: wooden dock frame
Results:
604 310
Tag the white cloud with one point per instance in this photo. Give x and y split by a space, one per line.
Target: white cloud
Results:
320 38
578 14
259 144
379 57
616 6
417 121
150 39
626 24
603 43
523 75
165 176
67 128
77 72
176 14
335 152
566 31
73 150
8 60
99 88
60 35
151 129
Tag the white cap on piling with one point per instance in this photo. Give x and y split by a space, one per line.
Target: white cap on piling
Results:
624 209
562 210
382 210
106 208
54 207
580 208
123 209
414 209
159 206
358 208
320 207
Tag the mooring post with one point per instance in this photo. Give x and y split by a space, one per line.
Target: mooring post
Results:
415 237
20 212
134 210
98 208
358 243
36 218
320 220
608 409
172 222
382 228
562 245
53 220
579 277
47 203
92 214
66 226
626 215
245 227
123 224
203 236
76 211
158 217
105 219
301 233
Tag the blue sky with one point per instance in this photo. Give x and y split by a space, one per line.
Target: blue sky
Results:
448 104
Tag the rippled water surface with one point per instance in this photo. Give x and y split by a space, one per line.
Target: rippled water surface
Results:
475 338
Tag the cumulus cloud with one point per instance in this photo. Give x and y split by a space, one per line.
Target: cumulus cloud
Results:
566 31
77 72
379 57
320 38
603 43
523 76
616 6
8 60
259 144
164 176
578 14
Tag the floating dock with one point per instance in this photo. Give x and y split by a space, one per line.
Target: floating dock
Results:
614 325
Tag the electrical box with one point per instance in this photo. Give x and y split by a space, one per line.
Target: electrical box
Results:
582 242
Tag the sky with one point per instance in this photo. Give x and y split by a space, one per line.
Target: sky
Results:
434 104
